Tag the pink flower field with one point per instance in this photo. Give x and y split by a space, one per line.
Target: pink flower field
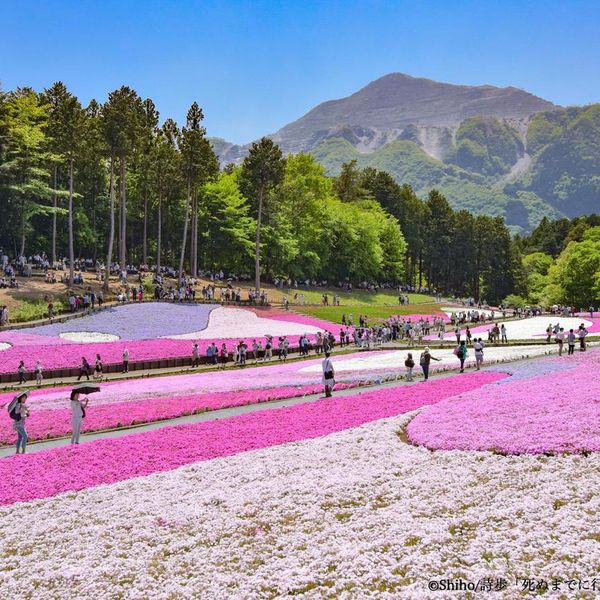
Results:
126 402
47 424
55 352
547 413
51 472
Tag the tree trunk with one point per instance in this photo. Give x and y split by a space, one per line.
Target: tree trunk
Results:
71 252
159 235
194 242
94 224
111 235
257 255
184 240
23 205
54 205
123 246
145 240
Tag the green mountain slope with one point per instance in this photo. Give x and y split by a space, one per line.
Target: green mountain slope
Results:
486 145
565 171
408 163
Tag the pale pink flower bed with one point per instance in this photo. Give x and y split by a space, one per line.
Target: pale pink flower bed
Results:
265 375
47 473
550 413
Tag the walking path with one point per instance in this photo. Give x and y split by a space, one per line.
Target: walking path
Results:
197 418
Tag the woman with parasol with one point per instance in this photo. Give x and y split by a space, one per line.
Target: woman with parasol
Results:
18 412
78 407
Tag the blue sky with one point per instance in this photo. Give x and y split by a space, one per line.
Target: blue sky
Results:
255 65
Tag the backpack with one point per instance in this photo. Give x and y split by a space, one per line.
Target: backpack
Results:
13 414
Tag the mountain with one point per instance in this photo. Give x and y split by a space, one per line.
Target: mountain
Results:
498 151
381 111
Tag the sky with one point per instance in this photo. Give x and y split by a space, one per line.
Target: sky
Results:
255 65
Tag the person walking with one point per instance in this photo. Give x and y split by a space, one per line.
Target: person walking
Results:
478 348
19 413
77 415
328 375
268 355
21 372
125 361
461 353
409 363
84 369
425 361
38 373
571 337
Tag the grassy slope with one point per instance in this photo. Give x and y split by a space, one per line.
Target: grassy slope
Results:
29 302
334 313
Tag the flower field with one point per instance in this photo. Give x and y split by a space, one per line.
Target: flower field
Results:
128 402
150 331
533 328
54 471
319 500
555 412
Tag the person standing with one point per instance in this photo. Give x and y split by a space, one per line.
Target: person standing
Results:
503 334
98 368
242 353
425 361
461 354
38 373
77 414
478 347
21 372
328 375
125 361
409 363
195 355
223 355
571 337
19 416
560 340
582 334
457 333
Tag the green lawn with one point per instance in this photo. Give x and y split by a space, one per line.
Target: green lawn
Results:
33 309
357 298
334 313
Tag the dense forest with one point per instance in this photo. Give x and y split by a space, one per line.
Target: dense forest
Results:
112 181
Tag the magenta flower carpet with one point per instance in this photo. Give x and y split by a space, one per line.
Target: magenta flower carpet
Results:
550 412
